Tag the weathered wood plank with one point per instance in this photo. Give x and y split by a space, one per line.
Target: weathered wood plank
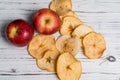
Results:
95 66
90 76
99 6
30 77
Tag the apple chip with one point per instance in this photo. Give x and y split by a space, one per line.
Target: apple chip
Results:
65 13
57 5
81 31
68 67
62 12
48 62
69 23
68 44
40 44
94 45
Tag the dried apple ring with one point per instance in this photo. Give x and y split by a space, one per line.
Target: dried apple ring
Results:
48 62
41 44
68 67
94 45
81 31
57 5
69 23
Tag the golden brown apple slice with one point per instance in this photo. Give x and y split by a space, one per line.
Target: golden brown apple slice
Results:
81 31
48 62
94 45
62 12
68 67
68 44
69 23
65 13
57 5
40 44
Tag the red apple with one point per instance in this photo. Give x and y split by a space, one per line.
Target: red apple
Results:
19 32
46 21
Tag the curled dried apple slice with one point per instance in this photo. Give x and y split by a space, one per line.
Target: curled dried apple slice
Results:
48 62
68 44
94 45
81 31
57 5
69 23
68 67
62 12
40 44
65 13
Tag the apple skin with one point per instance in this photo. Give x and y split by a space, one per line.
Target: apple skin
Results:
46 21
19 32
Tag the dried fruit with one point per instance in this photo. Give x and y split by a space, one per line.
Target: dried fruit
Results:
48 62
67 13
81 31
69 24
68 44
41 44
94 45
68 67
58 5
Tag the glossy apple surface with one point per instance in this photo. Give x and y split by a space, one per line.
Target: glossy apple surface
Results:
19 32
46 21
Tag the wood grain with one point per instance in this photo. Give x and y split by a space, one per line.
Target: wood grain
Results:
102 15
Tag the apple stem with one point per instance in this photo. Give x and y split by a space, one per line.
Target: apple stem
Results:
47 21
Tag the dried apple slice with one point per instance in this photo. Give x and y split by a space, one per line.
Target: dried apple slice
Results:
62 12
65 13
69 23
94 45
57 5
68 44
81 31
40 44
68 67
48 62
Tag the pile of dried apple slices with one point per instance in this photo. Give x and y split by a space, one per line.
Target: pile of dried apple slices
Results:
93 43
48 57
59 55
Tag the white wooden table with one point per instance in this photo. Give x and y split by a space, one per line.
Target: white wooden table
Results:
102 15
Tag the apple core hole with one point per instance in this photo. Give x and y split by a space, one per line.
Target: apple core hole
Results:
49 59
60 7
68 68
41 45
94 45
81 37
